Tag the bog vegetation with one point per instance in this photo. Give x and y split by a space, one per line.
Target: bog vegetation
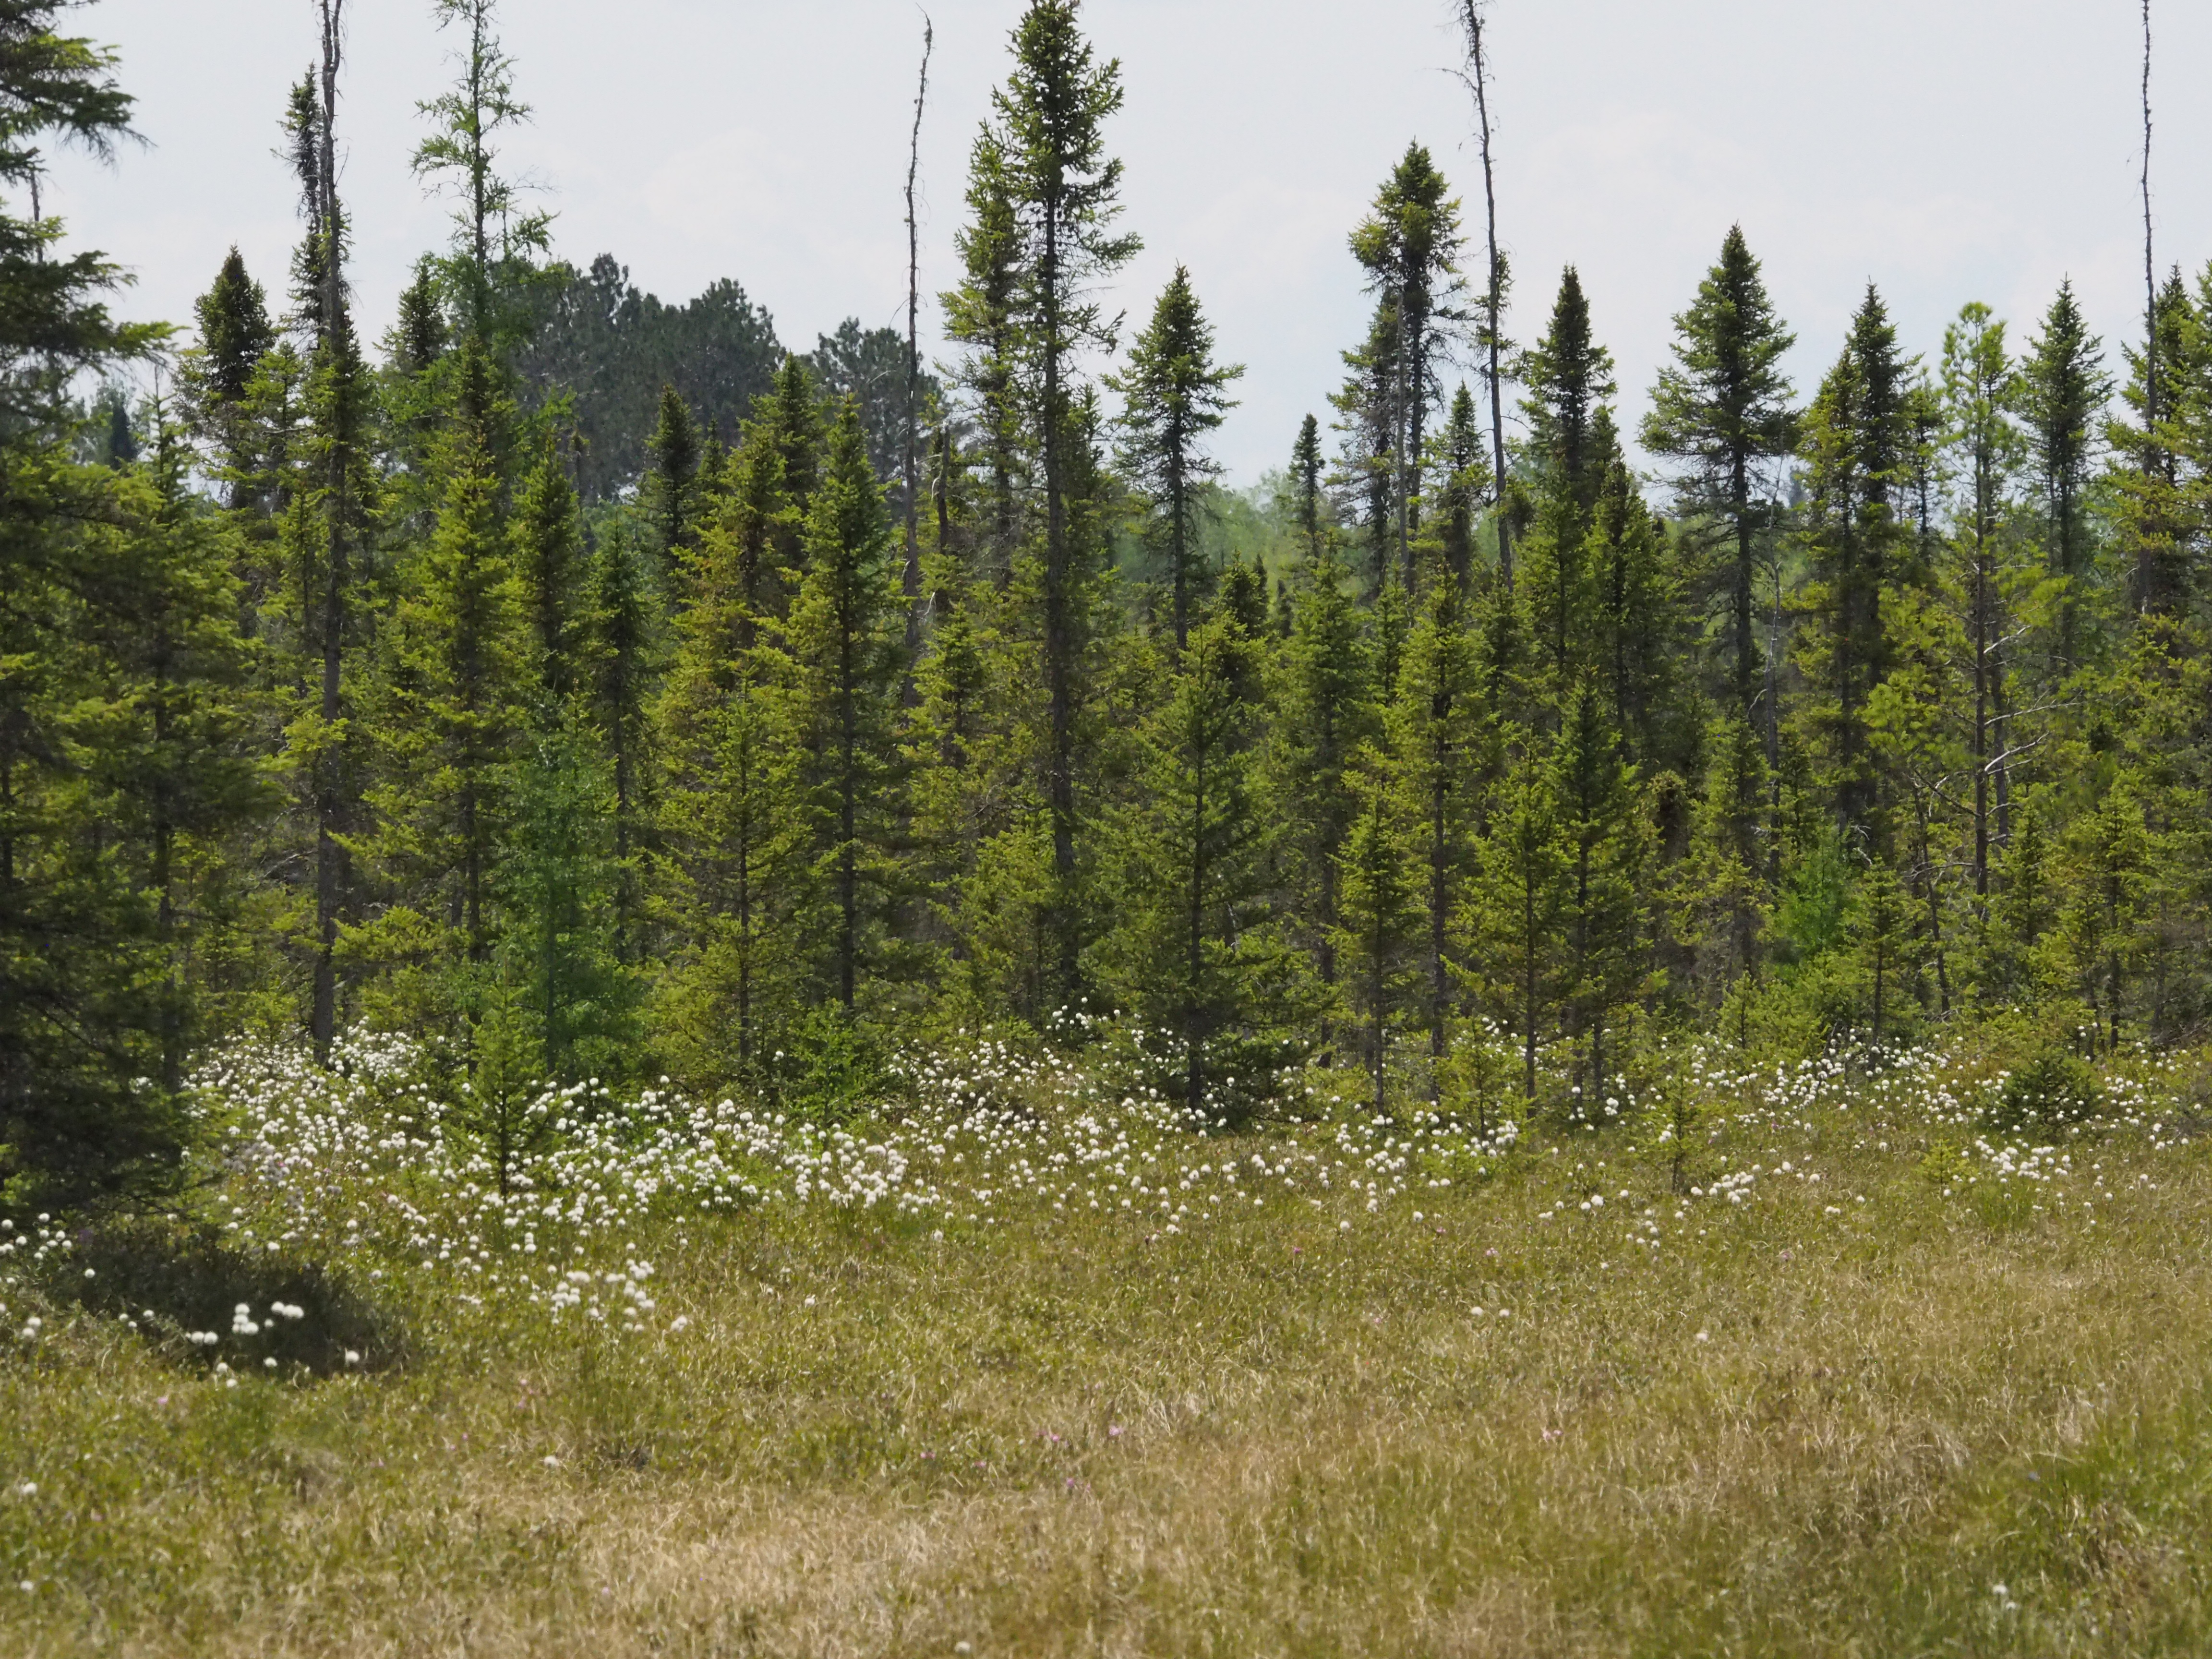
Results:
1888 1355
655 991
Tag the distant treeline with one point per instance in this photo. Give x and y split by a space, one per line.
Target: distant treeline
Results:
591 336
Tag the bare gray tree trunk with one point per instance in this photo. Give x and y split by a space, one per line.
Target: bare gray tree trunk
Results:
330 854
916 602
1493 297
2150 260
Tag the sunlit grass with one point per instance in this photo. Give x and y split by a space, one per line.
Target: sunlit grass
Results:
1809 1362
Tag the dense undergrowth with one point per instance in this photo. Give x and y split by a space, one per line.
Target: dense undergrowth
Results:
1902 1351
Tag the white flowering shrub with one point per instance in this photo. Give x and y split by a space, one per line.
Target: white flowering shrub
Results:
352 1210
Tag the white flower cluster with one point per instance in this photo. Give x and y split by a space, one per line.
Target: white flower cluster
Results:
366 1168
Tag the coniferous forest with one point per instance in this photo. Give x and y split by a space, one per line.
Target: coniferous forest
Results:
595 688
661 995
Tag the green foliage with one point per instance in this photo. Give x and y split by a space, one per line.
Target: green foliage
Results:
870 366
1193 952
1816 903
121 778
1325 709
1466 487
1439 748
1308 502
982 317
847 634
1368 408
1885 963
1722 411
560 883
1377 939
494 239
671 481
728 851
1408 246
837 1067
453 685
218 372
1856 448
1573 566
591 339
552 689
1570 379
1175 396
122 675
548 558
2064 386
1723 888
503 1104
2052 1092
56 323
1603 858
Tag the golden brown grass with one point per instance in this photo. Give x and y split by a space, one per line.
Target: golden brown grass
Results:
1275 1439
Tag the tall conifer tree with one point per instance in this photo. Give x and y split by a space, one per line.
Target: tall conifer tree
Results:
1052 114
1520 902
847 646
983 317
548 557
1570 379
1464 490
1856 445
1324 711
613 685
1604 855
2064 387
1306 488
1980 390
1367 408
234 334
1176 395
1193 952
1379 934
1436 731
1721 409
1573 444
672 485
1409 247
456 676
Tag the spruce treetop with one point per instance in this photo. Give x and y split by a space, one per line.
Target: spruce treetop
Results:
2063 384
460 157
1885 376
1306 485
1570 378
1724 401
1177 394
1410 242
234 329
1053 113
1177 391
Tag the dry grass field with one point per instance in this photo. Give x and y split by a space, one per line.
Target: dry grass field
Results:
1835 1368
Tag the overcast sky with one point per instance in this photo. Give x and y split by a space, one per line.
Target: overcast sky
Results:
1948 150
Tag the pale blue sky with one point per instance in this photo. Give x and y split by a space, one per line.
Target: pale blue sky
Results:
1949 149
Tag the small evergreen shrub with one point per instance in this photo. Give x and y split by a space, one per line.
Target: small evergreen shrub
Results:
2054 1090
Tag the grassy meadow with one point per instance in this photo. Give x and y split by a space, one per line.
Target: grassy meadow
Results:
1818 1360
